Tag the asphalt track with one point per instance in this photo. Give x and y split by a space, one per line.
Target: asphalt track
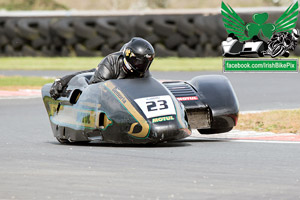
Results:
35 166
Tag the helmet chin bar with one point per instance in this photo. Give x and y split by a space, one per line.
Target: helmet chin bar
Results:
127 65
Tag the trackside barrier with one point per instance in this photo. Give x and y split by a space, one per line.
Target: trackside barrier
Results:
190 33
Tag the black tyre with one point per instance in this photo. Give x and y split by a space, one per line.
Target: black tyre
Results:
3 40
161 51
63 141
192 41
143 26
85 28
214 131
105 50
153 39
277 50
164 26
28 28
39 42
46 51
286 54
106 26
185 26
10 28
209 51
214 40
114 40
63 28
94 43
210 22
203 39
174 41
199 50
185 51
260 54
199 25
82 51
17 42
9 50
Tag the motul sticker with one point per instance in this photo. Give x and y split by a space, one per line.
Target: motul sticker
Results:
192 98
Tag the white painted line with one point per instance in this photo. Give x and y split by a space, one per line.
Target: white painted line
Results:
241 140
20 97
266 141
20 94
262 111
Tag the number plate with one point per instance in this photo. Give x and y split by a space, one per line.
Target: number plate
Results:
156 106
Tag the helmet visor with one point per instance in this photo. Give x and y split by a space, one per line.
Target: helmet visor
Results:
140 63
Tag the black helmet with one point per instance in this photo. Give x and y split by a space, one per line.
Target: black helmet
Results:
138 55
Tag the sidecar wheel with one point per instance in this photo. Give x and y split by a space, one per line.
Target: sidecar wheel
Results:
63 141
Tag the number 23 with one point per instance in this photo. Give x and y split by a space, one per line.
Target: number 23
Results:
152 105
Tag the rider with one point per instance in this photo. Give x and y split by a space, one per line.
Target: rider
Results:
281 43
133 60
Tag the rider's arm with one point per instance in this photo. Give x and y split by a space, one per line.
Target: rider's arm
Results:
65 80
104 71
59 84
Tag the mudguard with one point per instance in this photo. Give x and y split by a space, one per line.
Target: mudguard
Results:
217 92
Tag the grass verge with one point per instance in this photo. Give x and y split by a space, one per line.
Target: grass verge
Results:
20 82
278 121
84 63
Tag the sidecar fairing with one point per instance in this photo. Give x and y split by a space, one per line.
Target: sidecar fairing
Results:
141 110
134 111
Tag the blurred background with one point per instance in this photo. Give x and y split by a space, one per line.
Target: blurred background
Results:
175 28
130 4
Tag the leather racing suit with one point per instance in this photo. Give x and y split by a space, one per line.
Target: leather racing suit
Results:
111 67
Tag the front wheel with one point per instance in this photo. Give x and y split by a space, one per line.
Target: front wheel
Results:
63 141
214 131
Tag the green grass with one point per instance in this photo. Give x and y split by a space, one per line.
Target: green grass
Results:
276 121
79 63
31 5
23 81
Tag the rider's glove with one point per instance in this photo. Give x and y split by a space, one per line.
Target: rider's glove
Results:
56 89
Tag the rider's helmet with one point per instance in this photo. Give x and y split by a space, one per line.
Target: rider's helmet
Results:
138 56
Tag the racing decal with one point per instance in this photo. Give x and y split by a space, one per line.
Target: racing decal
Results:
156 106
190 98
162 119
131 110
76 117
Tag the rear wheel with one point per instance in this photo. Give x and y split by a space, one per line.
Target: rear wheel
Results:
214 131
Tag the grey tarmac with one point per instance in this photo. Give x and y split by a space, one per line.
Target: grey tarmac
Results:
35 166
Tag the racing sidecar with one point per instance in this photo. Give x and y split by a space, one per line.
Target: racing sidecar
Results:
141 110
232 47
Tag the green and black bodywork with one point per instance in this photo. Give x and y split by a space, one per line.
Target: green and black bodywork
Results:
139 111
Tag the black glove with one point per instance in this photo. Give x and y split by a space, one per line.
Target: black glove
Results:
56 89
